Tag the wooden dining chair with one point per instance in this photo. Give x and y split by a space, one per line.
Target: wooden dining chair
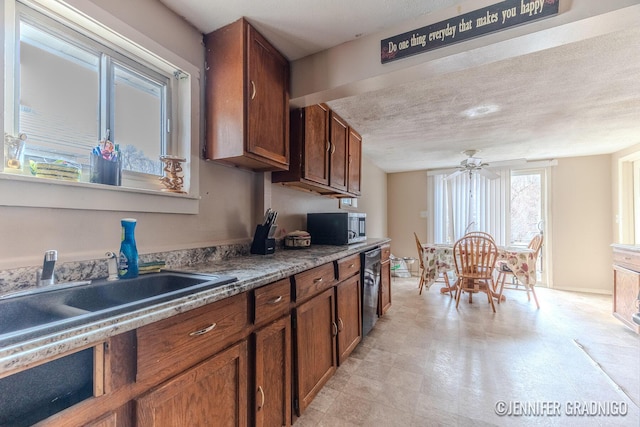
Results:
504 271
481 234
421 259
475 258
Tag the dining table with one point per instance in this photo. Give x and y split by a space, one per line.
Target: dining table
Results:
438 259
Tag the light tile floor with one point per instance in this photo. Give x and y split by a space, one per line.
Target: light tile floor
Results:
426 364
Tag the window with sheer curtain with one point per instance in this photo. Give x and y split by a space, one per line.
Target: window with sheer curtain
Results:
469 202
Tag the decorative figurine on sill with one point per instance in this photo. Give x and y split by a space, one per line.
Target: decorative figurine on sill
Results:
171 180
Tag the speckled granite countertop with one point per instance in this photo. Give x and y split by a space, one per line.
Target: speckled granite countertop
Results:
252 271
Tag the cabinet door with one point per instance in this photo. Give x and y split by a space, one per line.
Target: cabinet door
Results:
385 287
268 100
316 147
626 289
349 317
213 393
354 162
315 332
273 374
339 136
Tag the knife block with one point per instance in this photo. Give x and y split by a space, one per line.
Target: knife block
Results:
262 244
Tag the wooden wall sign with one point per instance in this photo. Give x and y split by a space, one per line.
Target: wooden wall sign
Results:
483 21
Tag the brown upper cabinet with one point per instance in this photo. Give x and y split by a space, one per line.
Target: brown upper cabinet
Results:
325 153
247 99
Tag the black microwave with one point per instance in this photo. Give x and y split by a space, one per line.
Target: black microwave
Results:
337 228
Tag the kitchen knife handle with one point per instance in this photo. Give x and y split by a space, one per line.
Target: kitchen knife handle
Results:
202 331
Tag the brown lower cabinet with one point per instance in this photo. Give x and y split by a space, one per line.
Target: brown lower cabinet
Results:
315 337
273 374
249 359
212 393
385 280
349 317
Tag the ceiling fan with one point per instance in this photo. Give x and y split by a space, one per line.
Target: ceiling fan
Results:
472 165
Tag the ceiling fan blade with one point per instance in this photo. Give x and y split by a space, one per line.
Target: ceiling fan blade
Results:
453 175
487 174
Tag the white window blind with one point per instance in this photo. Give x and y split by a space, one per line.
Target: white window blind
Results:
470 202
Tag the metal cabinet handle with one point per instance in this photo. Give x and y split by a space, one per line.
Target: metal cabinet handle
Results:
253 89
351 265
335 329
350 160
275 300
341 328
261 405
333 148
318 280
203 330
328 146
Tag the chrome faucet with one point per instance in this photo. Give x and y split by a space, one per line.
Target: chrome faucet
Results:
46 276
112 265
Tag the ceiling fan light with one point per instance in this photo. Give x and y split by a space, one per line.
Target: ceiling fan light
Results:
480 110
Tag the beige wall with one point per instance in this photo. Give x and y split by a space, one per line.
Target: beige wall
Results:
581 221
580 214
407 195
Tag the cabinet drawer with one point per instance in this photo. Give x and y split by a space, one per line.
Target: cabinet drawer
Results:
311 282
272 301
627 259
348 266
385 252
174 344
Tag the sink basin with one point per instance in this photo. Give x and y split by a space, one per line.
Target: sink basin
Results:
37 313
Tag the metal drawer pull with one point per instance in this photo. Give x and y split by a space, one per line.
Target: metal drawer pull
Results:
203 330
253 90
335 329
261 405
318 280
275 300
351 265
341 324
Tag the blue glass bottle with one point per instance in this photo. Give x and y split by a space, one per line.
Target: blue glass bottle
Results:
128 258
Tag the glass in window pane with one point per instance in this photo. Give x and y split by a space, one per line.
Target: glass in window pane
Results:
526 207
59 95
138 121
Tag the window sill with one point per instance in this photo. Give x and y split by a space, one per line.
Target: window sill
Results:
26 191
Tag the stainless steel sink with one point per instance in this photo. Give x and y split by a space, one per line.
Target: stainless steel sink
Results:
32 314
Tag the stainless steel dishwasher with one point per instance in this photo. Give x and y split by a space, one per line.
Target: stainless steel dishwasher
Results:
370 288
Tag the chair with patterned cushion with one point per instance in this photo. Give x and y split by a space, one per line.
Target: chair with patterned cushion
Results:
475 258
504 271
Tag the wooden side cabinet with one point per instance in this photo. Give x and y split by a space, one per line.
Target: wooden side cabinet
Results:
247 99
626 285
213 393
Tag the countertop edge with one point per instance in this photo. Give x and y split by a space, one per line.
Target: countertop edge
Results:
252 271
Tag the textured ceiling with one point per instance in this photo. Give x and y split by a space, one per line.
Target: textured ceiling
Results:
581 98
